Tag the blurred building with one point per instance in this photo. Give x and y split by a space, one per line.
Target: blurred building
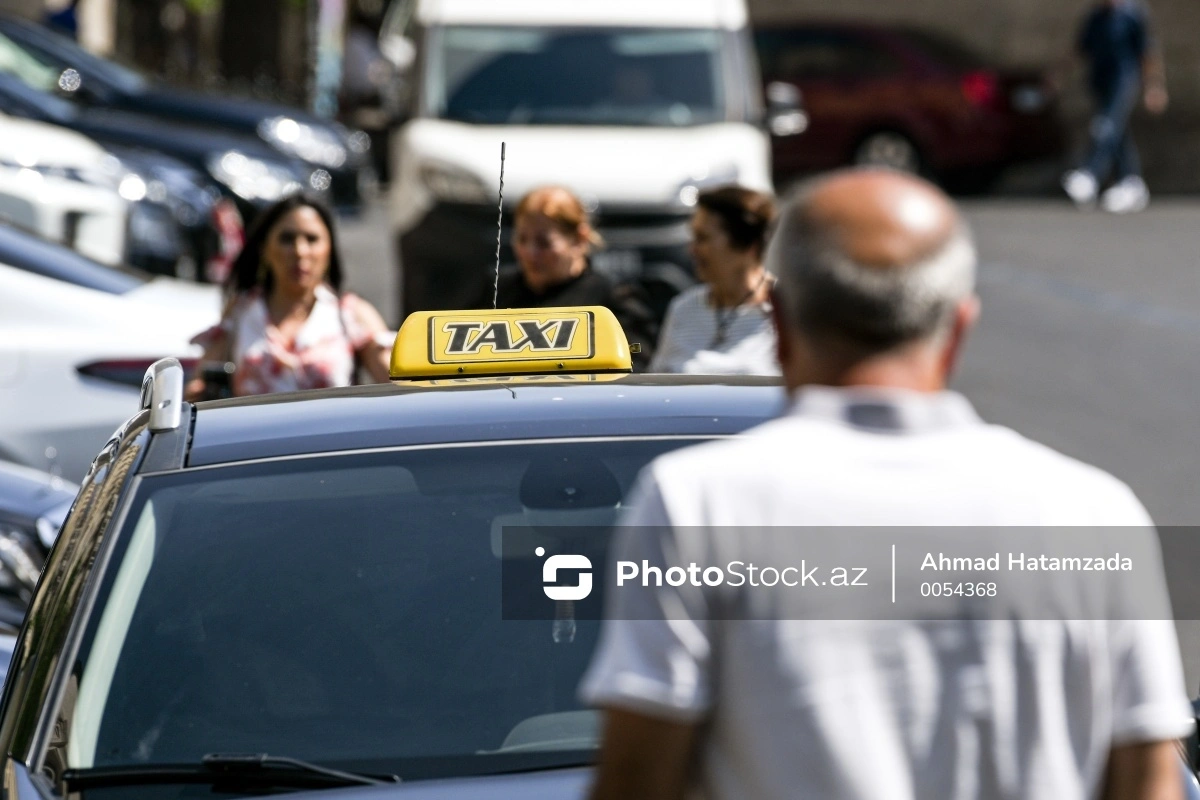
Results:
267 48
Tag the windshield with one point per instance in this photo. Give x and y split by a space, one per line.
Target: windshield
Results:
591 76
20 98
34 71
59 53
346 610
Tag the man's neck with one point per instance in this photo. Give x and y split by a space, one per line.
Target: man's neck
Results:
893 374
916 369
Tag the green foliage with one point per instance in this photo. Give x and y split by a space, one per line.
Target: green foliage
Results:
203 7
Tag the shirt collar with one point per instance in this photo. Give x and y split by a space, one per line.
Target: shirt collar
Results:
885 410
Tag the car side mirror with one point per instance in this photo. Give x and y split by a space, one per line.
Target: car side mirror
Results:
71 86
69 82
785 110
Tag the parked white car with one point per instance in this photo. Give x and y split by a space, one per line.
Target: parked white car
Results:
75 339
66 187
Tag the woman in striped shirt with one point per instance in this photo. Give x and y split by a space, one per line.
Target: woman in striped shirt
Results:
723 325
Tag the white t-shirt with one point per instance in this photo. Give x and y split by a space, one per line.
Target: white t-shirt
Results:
687 341
867 709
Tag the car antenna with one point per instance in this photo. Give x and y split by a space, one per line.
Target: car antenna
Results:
499 230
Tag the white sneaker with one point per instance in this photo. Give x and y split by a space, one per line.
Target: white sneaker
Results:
1127 196
1081 186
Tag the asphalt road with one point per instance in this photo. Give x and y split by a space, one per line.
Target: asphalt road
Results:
1087 341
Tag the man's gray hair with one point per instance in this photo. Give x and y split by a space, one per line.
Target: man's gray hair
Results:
825 293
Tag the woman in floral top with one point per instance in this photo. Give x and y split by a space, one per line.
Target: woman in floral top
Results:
287 326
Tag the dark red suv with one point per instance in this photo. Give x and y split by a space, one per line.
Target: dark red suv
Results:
907 99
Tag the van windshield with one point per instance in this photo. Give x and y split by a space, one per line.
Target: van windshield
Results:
593 76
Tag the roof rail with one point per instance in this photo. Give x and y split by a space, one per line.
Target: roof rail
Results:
162 394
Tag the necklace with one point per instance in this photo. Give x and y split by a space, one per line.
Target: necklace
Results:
725 315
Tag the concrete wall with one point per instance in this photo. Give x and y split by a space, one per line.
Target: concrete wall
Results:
1038 32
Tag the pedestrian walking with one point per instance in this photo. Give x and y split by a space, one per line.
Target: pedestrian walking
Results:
553 239
1124 66
287 325
873 303
723 325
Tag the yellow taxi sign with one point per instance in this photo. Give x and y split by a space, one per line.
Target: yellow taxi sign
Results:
544 379
434 344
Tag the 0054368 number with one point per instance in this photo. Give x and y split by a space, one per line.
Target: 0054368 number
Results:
958 590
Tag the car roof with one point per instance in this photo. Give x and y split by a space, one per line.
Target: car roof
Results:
420 413
30 252
721 14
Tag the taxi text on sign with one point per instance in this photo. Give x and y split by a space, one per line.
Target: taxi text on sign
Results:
512 341
515 337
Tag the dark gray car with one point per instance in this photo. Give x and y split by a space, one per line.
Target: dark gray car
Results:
95 83
306 591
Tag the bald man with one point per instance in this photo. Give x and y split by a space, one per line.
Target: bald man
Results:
740 695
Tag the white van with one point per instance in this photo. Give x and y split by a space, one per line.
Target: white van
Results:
635 105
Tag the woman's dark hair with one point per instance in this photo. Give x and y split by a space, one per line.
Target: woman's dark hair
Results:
247 270
746 215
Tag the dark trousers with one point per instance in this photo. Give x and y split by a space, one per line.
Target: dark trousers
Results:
1112 150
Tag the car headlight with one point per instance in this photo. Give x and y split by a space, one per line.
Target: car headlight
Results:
132 187
110 173
312 144
689 191
451 183
133 183
251 178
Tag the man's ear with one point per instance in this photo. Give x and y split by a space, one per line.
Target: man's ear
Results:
966 313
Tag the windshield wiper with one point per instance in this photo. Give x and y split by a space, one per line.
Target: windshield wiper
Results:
257 769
